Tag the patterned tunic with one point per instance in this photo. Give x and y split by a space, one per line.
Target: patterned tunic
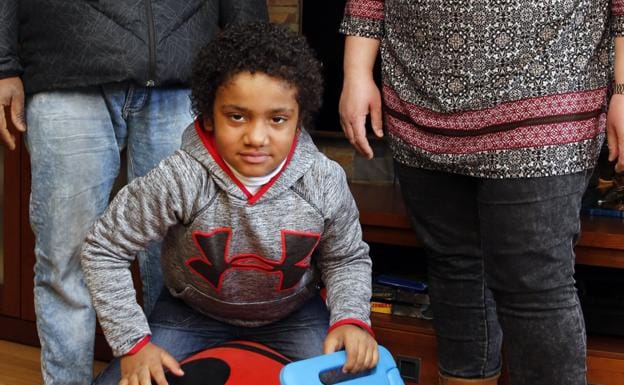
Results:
493 88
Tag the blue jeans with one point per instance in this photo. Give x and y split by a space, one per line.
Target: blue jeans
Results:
74 139
183 331
501 263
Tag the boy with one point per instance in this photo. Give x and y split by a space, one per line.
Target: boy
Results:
253 218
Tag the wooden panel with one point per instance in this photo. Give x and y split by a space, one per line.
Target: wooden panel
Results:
605 371
9 289
18 330
380 205
27 240
389 236
605 360
408 346
602 233
599 257
384 220
610 347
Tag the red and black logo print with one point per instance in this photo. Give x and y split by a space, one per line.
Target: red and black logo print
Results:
297 247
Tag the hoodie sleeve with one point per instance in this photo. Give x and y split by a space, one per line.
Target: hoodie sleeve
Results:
617 12
141 212
343 257
241 11
364 18
9 61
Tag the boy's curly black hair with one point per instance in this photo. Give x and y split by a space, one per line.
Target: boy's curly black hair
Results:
257 47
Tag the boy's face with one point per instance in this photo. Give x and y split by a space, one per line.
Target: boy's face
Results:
254 121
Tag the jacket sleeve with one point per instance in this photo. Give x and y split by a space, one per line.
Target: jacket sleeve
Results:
141 212
343 258
241 11
363 18
9 61
617 12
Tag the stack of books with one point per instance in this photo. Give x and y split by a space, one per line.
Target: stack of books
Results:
400 296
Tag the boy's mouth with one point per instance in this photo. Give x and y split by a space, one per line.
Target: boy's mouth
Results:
254 157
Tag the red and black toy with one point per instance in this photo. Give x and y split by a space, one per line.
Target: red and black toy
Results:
232 363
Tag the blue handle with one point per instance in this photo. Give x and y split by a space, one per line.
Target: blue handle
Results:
325 369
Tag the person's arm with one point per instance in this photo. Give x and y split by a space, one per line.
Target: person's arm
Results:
360 95
142 212
363 23
345 267
615 116
11 88
241 11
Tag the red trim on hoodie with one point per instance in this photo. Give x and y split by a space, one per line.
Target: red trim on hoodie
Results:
353 321
207 139
139 345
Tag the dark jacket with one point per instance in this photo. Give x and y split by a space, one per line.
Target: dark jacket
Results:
59 44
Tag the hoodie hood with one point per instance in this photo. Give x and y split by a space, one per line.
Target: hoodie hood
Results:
198 143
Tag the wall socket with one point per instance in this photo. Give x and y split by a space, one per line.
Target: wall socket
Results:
409 368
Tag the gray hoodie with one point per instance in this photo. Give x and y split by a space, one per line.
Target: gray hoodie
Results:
244 259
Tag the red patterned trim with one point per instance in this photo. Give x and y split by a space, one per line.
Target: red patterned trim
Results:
353 321
368 9
463 123
521 137
617 7
139 345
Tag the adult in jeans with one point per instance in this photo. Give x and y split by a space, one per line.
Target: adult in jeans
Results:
98 76
495 113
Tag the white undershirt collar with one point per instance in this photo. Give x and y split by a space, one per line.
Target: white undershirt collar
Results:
253 183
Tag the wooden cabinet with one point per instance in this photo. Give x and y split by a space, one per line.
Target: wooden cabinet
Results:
383 219
9 237
17 313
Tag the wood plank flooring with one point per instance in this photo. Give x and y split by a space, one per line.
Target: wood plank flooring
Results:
19 364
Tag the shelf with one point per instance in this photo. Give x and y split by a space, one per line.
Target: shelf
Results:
412 337
382 214
597 346
406 324
601 242
384 220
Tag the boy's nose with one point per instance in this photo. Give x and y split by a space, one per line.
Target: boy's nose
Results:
256 134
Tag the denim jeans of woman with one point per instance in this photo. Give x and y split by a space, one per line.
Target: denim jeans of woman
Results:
500 266
183 331
74 139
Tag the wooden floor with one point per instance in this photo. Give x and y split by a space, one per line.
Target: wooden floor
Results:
19 364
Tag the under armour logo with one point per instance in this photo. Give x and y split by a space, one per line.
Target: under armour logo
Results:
297 247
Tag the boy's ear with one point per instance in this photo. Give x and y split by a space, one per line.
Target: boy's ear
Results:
207 122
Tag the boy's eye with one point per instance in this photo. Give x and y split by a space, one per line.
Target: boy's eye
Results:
278 119
237 117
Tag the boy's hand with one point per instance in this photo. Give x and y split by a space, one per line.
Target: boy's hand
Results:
147 363
360 346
